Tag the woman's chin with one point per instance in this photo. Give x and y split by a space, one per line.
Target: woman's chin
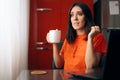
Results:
78 28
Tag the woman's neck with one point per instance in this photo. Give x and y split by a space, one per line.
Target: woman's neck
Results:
80 31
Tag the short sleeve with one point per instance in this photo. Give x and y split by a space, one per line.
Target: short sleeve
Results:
63 47
100 43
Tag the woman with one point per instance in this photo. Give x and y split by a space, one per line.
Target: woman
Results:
84 45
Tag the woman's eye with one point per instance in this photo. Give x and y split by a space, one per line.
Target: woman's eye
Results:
80 14
77 14
71 15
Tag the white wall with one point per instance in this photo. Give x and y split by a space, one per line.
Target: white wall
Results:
14 24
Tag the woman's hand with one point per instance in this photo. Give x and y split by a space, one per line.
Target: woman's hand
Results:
47 37
48 40
94 31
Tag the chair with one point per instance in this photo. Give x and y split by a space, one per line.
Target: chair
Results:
102 61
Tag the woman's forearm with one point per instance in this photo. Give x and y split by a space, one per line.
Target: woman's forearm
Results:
58 59
90 58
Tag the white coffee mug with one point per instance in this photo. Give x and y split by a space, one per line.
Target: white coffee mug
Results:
54 36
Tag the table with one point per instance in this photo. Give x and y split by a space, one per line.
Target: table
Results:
55 74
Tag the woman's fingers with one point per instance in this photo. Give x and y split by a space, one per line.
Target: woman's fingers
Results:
47 37
95 29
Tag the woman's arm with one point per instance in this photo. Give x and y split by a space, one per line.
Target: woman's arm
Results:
92 59
58 58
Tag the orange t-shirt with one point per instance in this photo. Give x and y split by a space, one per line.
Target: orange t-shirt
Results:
74 54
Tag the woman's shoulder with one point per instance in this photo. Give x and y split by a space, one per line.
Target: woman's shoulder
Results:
65 42
99 35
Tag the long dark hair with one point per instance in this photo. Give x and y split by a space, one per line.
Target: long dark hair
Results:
71 33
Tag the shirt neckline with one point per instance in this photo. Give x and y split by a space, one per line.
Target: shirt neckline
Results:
81 36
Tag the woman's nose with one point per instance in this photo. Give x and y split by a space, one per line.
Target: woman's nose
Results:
75 17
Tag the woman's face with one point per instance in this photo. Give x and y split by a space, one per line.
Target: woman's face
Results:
77 18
